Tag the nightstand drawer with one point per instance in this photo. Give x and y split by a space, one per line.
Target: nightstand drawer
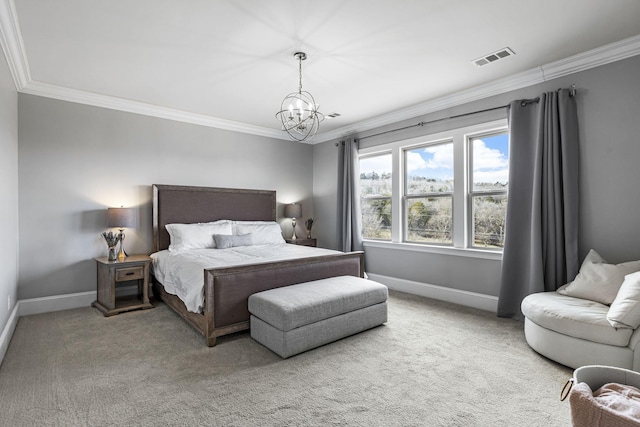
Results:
130 273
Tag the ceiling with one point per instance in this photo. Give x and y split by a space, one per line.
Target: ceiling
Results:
229 64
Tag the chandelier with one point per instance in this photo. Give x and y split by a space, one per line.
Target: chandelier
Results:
299 112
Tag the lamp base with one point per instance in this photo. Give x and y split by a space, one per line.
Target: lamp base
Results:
121 254
293 224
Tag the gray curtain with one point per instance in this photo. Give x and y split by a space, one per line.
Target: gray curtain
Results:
541 231
351 211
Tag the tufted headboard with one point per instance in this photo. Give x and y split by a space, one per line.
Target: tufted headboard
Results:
186 205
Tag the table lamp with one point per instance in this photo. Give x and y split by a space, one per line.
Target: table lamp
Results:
293 211
121 218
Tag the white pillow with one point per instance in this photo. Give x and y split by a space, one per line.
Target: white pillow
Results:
196 236
625 309
262 232
597 280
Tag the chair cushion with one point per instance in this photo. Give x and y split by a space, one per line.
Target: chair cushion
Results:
294 306
624 312
575 317
597 280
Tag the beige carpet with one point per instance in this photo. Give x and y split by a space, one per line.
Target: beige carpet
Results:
432 364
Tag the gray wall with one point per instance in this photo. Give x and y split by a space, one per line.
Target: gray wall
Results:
326 166
77 160
608 111
8 193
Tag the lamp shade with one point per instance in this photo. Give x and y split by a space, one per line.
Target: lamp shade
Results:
293 210
121 217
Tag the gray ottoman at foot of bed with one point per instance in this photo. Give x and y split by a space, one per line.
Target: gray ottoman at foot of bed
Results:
297 318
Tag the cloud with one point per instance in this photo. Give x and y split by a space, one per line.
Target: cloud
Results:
442 156
501 176
432 162
415 161
489 164
377 164
487 158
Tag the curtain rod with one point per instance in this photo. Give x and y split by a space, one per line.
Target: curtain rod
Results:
436 120
572 92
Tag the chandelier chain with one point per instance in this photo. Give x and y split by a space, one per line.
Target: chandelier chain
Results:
300 74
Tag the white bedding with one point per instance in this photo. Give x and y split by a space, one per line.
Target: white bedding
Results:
182 273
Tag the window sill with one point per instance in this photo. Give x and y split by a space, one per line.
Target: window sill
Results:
442 250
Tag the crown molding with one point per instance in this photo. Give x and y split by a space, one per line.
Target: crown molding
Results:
115 103
13 47
593 58
583 61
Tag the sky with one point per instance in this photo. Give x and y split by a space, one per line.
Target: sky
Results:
378 164
490 161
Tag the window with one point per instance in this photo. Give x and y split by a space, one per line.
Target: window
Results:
375 196
448 189
489 180
428 194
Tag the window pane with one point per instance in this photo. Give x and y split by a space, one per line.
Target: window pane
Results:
429 169
490 162
375 176
489 213
376 219
429 220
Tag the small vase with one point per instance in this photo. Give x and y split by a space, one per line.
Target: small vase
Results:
308 234
112 253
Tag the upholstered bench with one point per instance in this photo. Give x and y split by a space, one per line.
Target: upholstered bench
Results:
297 318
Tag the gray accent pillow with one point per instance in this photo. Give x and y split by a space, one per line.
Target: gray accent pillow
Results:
224 241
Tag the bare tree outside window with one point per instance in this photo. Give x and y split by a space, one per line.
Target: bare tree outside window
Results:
375 196
428 198
489 158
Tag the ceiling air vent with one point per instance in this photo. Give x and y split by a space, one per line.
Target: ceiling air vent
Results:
493 57
333 115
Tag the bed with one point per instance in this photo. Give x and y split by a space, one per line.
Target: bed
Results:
227 289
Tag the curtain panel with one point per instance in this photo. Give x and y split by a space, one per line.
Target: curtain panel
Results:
541 232
350 206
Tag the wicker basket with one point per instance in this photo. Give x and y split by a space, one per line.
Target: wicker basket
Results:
584 412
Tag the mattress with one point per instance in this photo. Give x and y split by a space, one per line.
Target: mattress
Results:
182 273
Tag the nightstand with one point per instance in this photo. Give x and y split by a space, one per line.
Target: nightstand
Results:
111 273
302 242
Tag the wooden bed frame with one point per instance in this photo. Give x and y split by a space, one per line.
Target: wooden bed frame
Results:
227 290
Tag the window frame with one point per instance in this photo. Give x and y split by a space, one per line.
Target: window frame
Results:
390 197
472 193
461 199
406 197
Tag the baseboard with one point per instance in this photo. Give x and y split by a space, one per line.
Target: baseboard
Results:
456 296
7 332
56 303
30 306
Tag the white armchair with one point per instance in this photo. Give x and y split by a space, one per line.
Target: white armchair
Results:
575 332
593 320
